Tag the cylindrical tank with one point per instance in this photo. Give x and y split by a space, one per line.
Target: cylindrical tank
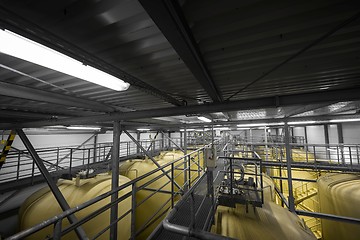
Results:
271 222
136 168
268 183
339 194
195 160
42 205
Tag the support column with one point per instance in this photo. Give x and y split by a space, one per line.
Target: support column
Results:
185 160
306 138
95 146
326 133
169 140
115 177
266 142
288 164
162 141
52 185
341 141
181 138
138 139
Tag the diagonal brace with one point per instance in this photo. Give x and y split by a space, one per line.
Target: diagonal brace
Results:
173 142
152 159
53 187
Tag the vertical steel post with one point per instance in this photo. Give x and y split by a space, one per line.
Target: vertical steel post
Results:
327 142
138 135
52 185
18 165
341 141
70 163
204 136
185 158
57 159
115 178
181 138
133 211
172 186
57 230
266 144
169 140
95 146
162 140
288 165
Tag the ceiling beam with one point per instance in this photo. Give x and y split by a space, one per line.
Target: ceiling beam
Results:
24 27
168 16
307 108
266 102
17 91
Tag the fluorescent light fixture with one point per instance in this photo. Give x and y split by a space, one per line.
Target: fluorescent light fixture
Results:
143 129
28 50
204 119
188 130
344 120
259 124
243 128
302 122
83 128
222 128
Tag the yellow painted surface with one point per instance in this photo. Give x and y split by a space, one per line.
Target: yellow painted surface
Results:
42 205
271 222
195 158
340 195
136 168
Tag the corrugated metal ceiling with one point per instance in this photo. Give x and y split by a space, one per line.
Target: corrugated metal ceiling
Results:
239 41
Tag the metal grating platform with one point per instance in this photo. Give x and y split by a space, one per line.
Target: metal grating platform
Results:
202 208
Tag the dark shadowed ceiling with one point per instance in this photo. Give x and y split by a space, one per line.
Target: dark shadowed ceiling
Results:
227 60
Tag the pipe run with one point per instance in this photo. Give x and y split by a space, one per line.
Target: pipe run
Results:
329 217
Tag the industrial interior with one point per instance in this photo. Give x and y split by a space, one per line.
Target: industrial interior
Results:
179 119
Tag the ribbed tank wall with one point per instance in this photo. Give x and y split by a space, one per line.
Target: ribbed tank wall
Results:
42 205
340 195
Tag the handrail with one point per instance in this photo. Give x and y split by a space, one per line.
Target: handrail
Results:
64 214
188 231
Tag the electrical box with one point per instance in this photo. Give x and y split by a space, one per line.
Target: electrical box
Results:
210 157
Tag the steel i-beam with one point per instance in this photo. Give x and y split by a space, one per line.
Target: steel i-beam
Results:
288 167
115 178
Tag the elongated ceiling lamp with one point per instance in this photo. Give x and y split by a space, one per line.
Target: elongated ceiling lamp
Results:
204 119
83 128
28 50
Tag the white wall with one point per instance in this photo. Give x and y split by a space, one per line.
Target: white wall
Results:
333 134
351 132
299 131
44 141
60 140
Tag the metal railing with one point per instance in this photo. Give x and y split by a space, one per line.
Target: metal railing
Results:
136 186
19 164
341 157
